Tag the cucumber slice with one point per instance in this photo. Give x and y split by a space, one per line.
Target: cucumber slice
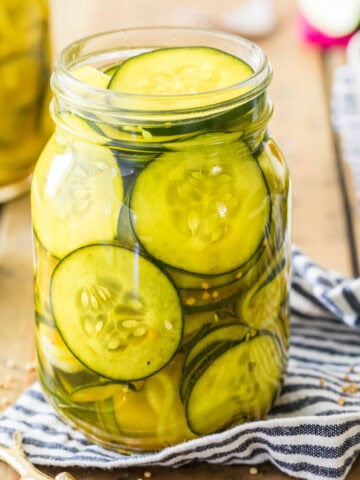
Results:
91 76
204 347
237 386
85 129
55 351
45 264
206 289
97 392
180 70
210 295
277 177
77 194
122 316
111 70
196 321
140 138
266 304
204 211
156 412
133 413
205 139
213 338
260 305
106 416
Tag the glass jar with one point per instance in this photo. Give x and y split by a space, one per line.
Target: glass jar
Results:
24 75
161 227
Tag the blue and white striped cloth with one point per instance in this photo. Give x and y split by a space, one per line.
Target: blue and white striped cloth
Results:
313 431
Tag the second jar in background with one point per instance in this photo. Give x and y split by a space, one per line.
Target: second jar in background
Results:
24 78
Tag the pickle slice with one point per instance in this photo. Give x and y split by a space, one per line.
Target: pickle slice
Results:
55 351
238 383
119 314
205 211
179 70
261 303
155 413
77 194
92 76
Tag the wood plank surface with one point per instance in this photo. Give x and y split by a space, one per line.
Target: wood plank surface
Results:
302 127
351 201
16 306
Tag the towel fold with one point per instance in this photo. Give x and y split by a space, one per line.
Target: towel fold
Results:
313 430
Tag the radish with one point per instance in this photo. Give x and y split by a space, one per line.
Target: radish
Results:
333 18
311 35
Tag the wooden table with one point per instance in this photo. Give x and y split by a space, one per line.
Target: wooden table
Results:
325 223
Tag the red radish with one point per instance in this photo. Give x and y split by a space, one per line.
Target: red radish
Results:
312 35
329 22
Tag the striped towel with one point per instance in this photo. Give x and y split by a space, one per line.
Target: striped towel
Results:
312 432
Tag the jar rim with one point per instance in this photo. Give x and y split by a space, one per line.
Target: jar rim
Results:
65 84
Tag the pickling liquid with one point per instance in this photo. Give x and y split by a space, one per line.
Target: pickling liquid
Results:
161 277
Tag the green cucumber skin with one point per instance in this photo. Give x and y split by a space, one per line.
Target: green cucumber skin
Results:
208 338
207 355
213 356
235 117
246 267
98 384
279 267
186 347
235 268
94 371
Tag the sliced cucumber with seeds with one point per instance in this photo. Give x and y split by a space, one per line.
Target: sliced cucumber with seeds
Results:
76 199
236 385
180 70
183 71
204 211
122 317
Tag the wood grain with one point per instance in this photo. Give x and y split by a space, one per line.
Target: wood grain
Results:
351 201
301 124
16 301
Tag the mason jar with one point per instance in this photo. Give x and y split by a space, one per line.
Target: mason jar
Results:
24 75
160 209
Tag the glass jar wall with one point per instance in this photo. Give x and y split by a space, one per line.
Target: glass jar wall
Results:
161 231
24 75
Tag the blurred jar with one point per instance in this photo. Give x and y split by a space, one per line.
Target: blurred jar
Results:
24 74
